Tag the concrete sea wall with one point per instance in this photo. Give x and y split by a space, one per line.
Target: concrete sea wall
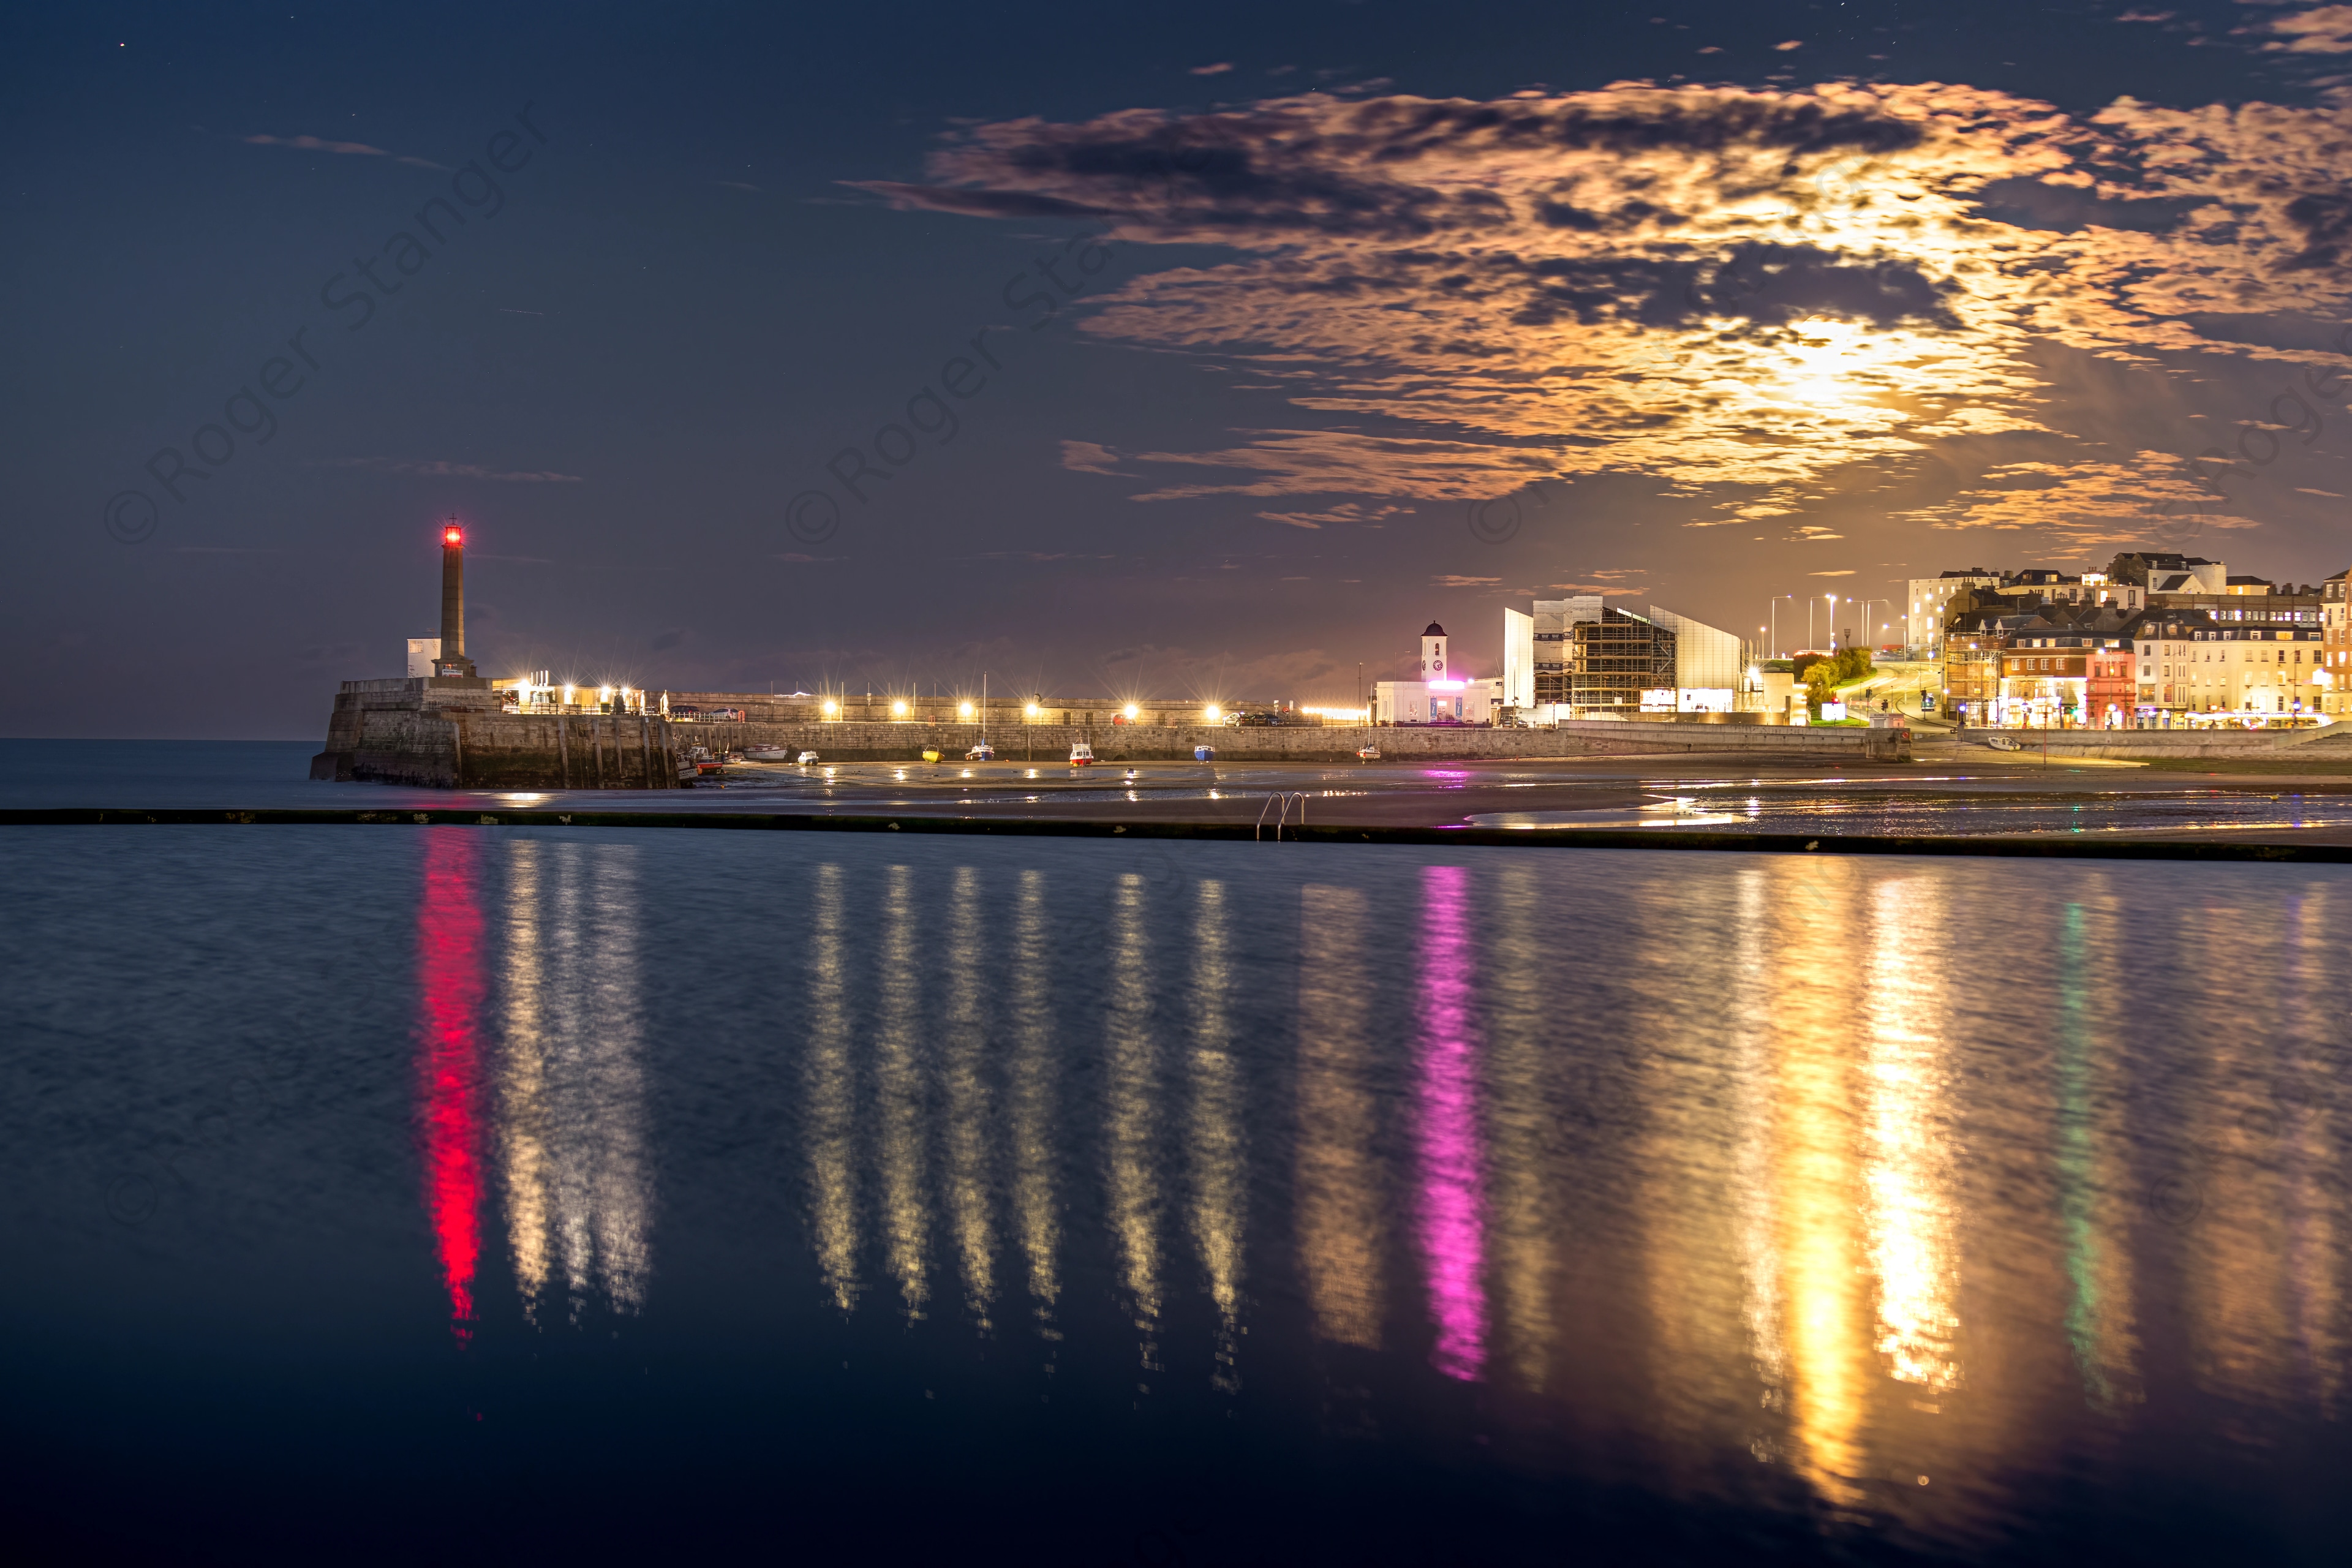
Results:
850 742
2287 745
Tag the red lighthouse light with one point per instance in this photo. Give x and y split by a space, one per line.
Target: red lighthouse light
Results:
453 536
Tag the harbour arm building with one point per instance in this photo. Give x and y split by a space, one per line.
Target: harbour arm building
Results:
1443 694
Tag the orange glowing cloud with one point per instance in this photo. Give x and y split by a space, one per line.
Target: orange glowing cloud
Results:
1711 287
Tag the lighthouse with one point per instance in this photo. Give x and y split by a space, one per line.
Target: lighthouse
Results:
452 659
1433 653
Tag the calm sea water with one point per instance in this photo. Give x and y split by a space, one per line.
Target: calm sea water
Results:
374 1193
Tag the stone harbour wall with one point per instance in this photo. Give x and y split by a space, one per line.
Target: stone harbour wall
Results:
472 745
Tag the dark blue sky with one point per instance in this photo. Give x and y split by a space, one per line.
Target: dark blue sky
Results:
729 242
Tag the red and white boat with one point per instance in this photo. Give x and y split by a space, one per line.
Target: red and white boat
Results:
1082 755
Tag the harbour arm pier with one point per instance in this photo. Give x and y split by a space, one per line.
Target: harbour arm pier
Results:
445 727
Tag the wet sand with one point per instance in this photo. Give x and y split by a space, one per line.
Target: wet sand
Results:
1948 794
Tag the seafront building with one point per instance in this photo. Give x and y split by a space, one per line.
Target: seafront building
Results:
2158 641
1585 659
2335 646
1931 605
1616 661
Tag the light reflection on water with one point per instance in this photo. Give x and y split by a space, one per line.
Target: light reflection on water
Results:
1947 1200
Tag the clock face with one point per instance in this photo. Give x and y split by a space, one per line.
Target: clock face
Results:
1437 664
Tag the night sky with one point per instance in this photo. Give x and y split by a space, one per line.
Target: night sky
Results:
1199 350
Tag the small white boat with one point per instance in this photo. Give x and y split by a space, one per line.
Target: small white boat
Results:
1368 754
767 753
1082 755
806 758
2003 742
983 753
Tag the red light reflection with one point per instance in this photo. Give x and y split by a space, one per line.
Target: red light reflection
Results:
449 964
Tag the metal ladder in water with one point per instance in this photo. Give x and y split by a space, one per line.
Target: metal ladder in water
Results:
1280 805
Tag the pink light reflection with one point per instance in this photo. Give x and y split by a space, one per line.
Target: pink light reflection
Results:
449 965
1452 1219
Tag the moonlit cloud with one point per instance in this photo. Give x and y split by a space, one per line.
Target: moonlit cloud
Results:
1756 297
348 148
2085 506
1346 511
2323 30
1086 457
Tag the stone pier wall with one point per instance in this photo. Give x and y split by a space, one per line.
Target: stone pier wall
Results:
456 738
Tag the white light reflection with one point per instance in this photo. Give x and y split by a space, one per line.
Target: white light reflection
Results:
599 1199
898 1079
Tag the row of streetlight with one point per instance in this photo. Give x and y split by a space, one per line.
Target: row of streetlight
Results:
966 711
1771 627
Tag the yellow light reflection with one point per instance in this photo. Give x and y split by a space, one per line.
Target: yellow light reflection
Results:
969 1181
2260 1215
1908 1142
1340 1191
1220 1177
833 1111
1526 1226
1824 1309
1032 1105
1134 1197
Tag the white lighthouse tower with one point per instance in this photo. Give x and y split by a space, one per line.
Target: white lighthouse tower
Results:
1432 653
